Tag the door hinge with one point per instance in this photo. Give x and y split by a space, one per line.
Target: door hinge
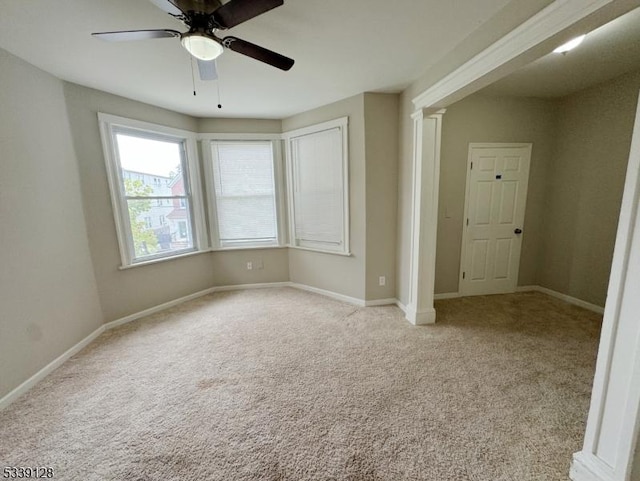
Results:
471 165
464 274
467 221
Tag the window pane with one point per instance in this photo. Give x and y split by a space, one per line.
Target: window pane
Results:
158 230
245 192
150 167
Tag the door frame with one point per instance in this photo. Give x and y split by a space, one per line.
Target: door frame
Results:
486 145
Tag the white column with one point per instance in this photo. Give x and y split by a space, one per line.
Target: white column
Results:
427 131
613 422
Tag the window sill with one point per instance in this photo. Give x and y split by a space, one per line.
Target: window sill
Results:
226 249
162 259
247 248
194 253
321 251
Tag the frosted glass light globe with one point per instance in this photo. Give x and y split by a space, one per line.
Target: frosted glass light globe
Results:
201 46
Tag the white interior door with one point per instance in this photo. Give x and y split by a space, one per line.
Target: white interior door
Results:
497 180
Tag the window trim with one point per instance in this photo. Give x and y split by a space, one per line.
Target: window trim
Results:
206 144
109 124
342 124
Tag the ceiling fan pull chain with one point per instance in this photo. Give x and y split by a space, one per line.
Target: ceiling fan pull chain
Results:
193 79
218 86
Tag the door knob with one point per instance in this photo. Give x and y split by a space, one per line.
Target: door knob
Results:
518 231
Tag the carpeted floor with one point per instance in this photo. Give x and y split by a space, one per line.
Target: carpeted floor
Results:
280 384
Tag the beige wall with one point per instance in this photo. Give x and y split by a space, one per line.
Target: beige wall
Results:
580 152
344 275
491 119
512 15
232 126
124 292
381 146
585 187
48 295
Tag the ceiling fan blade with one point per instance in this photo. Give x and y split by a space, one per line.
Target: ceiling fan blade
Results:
237 11
259 53
127 35
208 70
202 6
169 6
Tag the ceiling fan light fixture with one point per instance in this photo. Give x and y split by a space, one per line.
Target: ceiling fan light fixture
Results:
570 45
201 46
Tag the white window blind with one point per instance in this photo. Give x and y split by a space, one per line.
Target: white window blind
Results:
318 176
245 193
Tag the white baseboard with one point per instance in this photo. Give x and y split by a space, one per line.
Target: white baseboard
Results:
48 369
242 287
402 307
527 288
190 297
380 302
420 318
564 297
239 287
446 295
331 294
53 365
158 308
587 467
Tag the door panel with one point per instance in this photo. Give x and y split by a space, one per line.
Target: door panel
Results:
503 258
495 206
483 200
479 260
509 193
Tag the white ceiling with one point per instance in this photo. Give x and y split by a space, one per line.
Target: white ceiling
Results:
341 48
605 53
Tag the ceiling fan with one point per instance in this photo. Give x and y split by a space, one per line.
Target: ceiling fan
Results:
204 18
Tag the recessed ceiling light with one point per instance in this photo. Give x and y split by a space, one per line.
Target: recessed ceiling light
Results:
570 45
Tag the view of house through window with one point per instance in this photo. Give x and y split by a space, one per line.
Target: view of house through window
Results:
157 202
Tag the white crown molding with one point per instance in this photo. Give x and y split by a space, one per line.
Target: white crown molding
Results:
542 26
238 136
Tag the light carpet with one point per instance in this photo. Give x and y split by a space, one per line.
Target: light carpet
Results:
280 384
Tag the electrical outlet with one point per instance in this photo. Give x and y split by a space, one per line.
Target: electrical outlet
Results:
259 264
382 281
249 266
